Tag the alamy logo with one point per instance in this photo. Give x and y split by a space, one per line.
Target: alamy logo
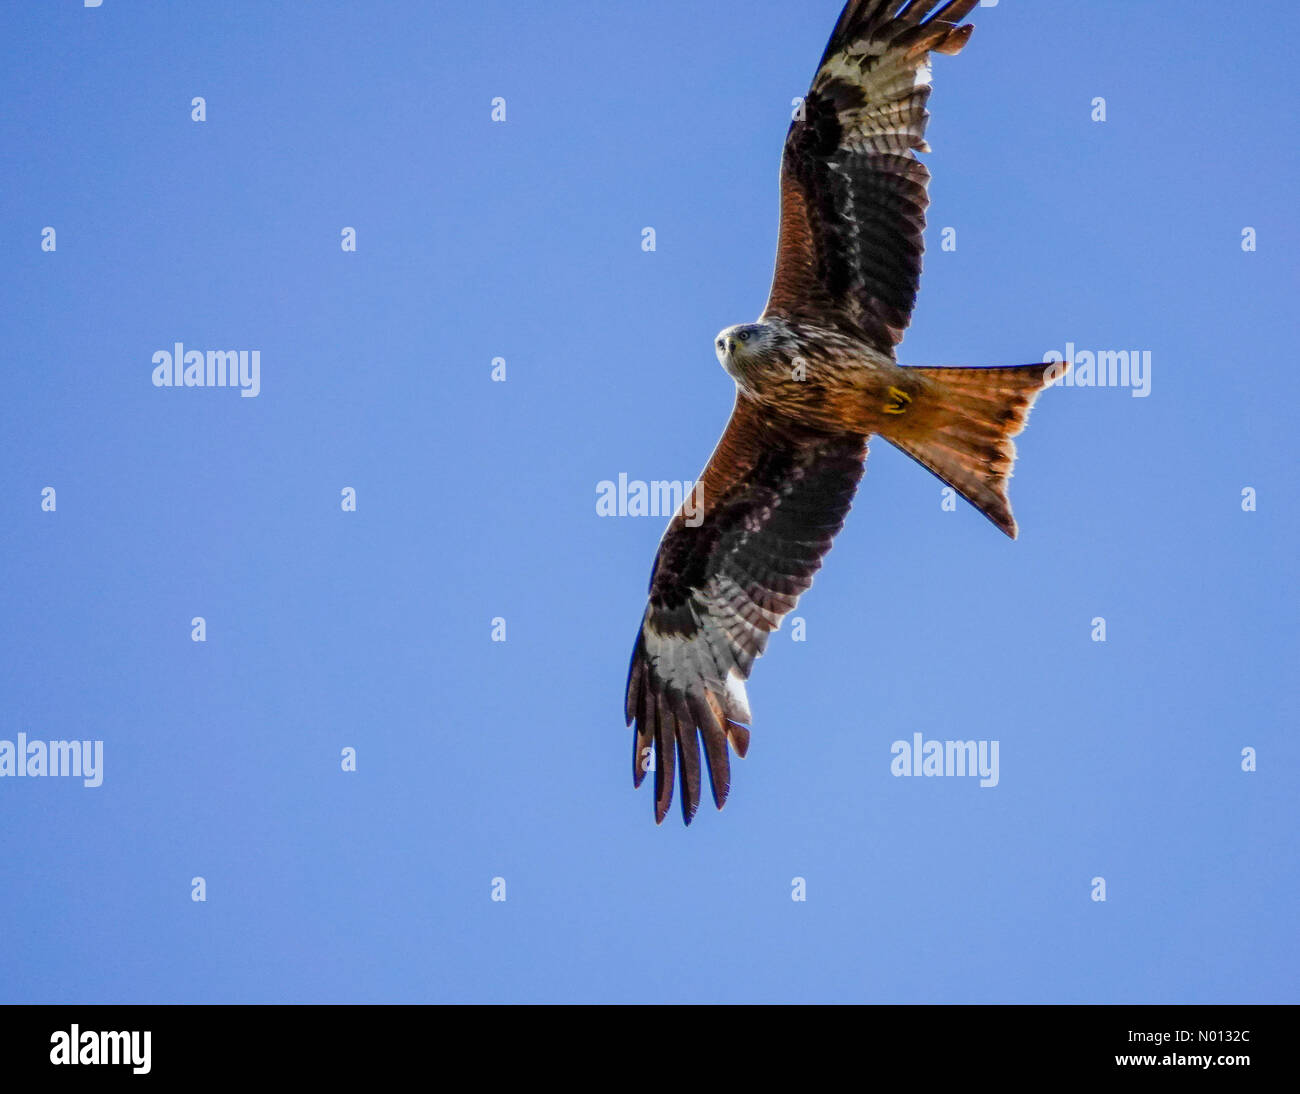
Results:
82 760
946 758
658 498
78 1046
239 368
1105 368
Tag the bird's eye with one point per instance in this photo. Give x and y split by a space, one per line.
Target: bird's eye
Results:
721 345
743 336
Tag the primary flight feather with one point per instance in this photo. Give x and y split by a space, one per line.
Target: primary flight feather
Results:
815 376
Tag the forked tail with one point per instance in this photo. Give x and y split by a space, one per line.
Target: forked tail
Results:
961 428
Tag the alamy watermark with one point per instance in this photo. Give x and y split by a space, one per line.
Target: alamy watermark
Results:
657 498
1104 368
945 758
82 760
178 367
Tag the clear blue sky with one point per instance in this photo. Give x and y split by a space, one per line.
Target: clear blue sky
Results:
476 499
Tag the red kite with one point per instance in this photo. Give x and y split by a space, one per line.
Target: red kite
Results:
815 377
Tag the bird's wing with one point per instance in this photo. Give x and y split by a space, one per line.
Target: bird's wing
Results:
853 193
733 562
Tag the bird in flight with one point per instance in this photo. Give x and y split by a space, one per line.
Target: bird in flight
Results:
815 377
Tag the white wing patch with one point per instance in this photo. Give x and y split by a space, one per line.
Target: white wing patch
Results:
737 699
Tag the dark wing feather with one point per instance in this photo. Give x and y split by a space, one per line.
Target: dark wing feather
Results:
766 508
853 193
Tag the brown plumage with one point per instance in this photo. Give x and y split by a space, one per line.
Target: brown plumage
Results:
815 377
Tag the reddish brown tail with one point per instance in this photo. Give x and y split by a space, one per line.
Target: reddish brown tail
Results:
962 427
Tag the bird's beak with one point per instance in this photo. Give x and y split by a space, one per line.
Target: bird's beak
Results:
731 346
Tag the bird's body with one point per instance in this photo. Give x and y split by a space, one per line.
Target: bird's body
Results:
816 376
819 376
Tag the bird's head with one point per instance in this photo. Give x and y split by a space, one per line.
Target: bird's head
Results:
743 344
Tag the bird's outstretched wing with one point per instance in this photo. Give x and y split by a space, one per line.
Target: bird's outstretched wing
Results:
732 563
853 193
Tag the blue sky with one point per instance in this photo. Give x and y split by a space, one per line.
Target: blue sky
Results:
476 500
